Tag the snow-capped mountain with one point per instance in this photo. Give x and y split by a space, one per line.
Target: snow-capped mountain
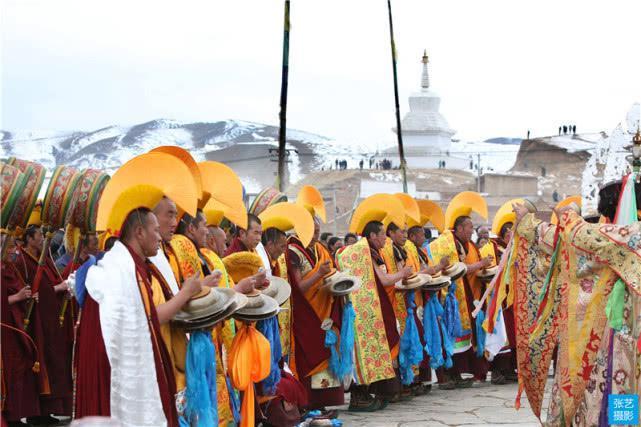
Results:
247 147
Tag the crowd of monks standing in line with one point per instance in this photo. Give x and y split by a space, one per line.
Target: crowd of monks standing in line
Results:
169 302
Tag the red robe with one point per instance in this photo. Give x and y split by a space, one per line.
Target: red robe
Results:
236 246
58 341
93 372
309 348
467 361
18 354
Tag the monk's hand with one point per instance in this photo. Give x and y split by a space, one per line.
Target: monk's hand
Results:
262 282
407 271
192 285
23 294
325 268
62 287
520 210
213 280
246 285
487 261
445 262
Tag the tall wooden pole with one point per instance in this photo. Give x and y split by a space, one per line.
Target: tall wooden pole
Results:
282 131
401 151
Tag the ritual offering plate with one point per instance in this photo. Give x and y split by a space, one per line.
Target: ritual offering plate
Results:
340 284
455 271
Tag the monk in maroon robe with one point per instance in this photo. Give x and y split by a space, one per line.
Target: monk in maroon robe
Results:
23 374
139 239
58 340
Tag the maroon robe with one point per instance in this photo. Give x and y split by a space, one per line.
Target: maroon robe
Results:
18 354
58 341
236 246
93 372
467 361
309 348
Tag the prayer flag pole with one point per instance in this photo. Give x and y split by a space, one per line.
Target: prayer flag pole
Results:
401 151
282 131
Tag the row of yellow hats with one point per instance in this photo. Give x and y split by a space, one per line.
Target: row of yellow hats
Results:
211 186
403 210
275 211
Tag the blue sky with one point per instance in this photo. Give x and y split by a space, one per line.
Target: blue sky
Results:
501 67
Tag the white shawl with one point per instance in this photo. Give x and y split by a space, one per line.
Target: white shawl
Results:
135 396
162 264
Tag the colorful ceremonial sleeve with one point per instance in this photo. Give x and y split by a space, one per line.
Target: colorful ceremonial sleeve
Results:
530 271
617 246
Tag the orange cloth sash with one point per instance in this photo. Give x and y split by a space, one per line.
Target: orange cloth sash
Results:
249 363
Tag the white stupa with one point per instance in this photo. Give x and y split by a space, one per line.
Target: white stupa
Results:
427 137
425 130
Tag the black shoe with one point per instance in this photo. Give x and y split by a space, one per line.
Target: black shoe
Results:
43 420
449 385
498 378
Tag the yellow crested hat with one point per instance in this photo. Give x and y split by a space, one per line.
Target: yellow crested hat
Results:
311 199
186 157
379 207
430 212
111 216
463 204
225 192
161 171
504 215
412 211
213 216
36 215
240 265
286 216
566 202
71 238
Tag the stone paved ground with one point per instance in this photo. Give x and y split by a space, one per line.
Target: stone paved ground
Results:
484 404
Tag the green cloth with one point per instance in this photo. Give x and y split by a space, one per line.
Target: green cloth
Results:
614 308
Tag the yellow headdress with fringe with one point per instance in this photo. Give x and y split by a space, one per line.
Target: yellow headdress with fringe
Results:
240 265
36 215
379 207
463 204
71 238
156 170
112 216
186 157
566 202
504 215
212 216
225 192
311 199
287 216
430 212
412 211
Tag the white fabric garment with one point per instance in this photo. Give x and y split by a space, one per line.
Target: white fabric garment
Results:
135 396
162 264
496 340
260 250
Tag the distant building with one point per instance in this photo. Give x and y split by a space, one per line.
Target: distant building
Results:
427 136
